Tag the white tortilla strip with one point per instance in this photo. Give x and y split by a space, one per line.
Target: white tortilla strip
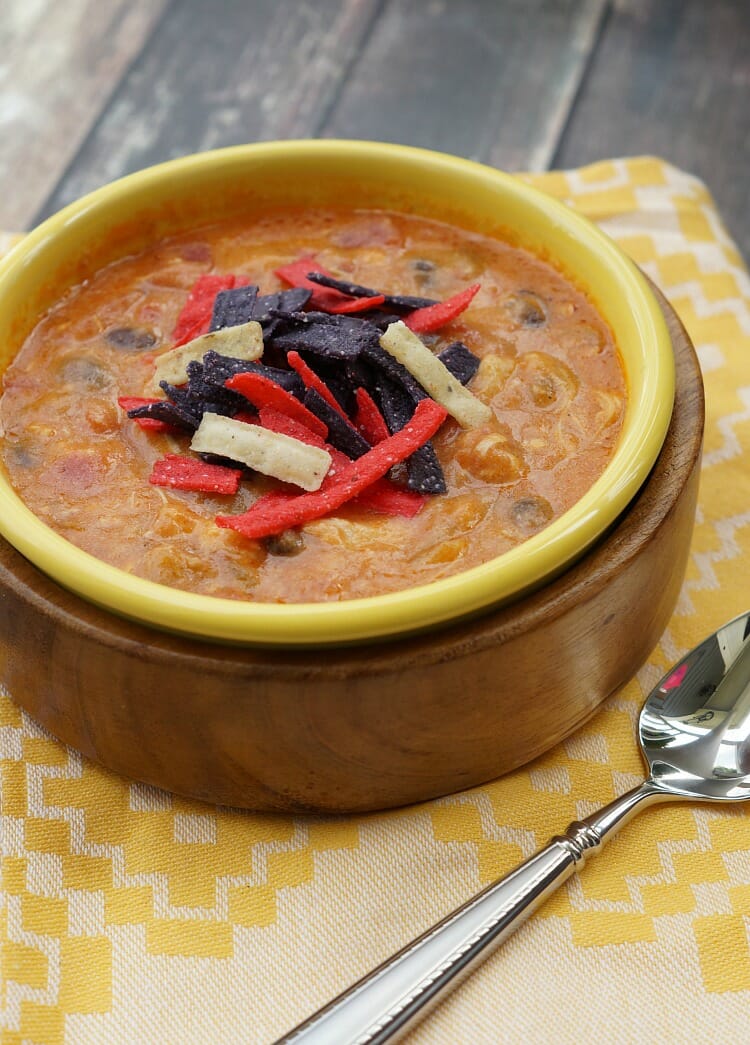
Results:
241 342
268 452
404 345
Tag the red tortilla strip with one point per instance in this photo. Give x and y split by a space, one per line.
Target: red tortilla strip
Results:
247 417
368 420
425 320
311 380
276 421
356 305
261 391
386 499
381 497
195 317
190 473
274 513
324 299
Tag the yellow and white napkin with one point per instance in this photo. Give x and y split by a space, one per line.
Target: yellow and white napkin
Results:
131 915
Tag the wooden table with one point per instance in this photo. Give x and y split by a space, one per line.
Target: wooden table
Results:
93 89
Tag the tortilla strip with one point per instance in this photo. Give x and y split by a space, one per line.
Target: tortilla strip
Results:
405 346
240 342
262 450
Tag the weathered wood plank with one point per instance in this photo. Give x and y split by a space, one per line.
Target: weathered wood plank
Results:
213 76
58 64
478 78
672 78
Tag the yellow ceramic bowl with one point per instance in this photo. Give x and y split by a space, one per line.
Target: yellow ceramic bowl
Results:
129 214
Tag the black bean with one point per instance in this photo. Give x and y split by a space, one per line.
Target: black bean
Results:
531 513
86 372
130 338
22 456
290 542
424 272
527 308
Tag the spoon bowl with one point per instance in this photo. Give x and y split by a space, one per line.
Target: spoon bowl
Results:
695 726
694 732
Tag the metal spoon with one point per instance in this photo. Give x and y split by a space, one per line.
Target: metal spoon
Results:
694 732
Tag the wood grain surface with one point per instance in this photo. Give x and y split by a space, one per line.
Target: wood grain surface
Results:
371 726
467 77
221 75
60 63
672 79
89 92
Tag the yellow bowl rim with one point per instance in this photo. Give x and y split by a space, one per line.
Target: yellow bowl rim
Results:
413 609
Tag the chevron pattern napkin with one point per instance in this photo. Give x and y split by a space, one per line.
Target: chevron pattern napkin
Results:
130 915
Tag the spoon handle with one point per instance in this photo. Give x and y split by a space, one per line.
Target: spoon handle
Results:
392 998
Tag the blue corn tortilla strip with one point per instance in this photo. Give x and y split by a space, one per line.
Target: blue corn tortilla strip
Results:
280 302
460 360
456 358
341 434
377 357
179 394
424 473
359 375
227 462
382 320
333 337
217 370
397 392
170 413
233 307
334 374
397 302
204 396
273 312
241 304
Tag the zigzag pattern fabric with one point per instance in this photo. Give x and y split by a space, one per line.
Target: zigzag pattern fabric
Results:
130 915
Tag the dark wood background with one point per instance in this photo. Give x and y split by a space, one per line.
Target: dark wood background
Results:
92 89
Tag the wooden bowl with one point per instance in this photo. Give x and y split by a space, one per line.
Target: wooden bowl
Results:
364 727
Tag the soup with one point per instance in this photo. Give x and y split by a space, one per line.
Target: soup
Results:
546 374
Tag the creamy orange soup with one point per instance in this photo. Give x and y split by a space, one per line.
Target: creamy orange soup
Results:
549 371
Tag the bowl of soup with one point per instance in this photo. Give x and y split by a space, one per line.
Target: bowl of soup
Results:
334 475
545 440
